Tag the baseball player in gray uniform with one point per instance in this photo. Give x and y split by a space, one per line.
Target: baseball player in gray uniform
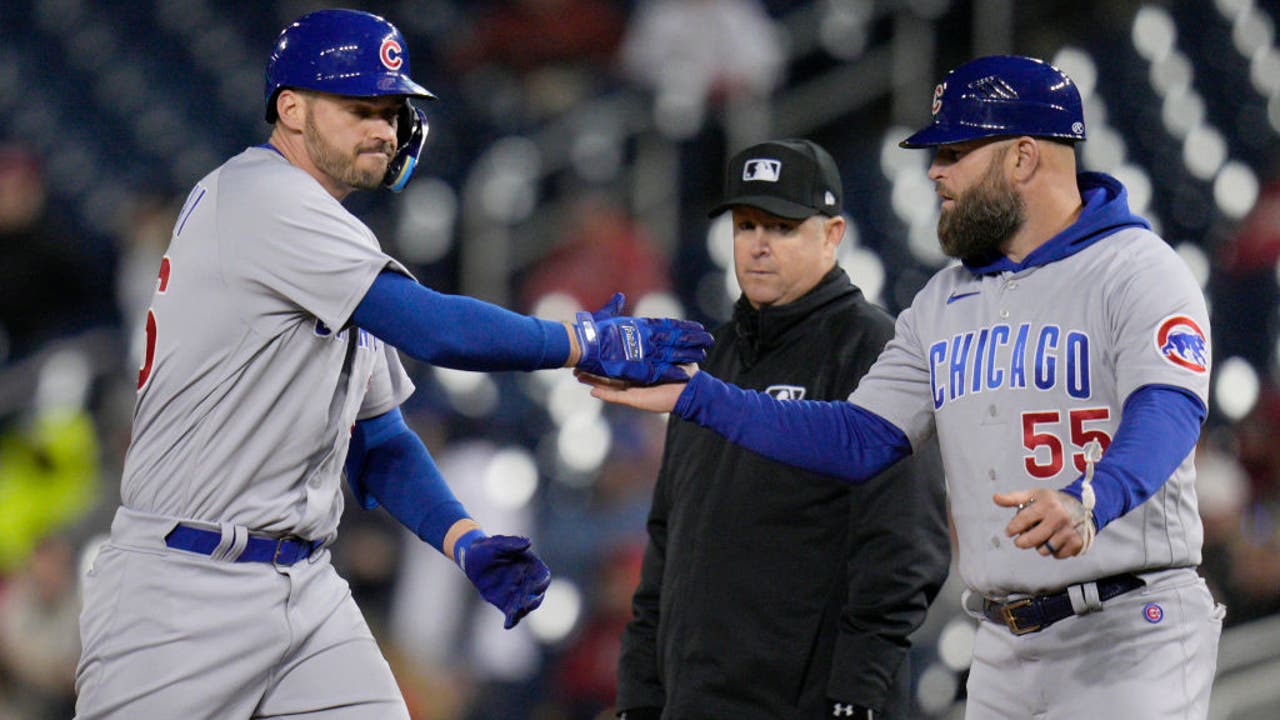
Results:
271 366
1064 365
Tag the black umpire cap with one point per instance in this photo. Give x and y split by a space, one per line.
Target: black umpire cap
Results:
791 178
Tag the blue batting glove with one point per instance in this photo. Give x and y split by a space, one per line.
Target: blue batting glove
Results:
507 574
641 350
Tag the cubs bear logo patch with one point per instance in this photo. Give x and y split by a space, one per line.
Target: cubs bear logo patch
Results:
1181 342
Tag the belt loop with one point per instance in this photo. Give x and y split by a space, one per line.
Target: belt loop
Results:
1093 596
239 543
228 537
1084 598
972 604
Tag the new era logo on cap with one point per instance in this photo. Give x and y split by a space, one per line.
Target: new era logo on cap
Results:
762 169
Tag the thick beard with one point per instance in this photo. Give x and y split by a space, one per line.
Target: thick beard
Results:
983 219
330 160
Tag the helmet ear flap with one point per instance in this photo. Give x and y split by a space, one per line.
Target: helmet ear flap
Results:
411 135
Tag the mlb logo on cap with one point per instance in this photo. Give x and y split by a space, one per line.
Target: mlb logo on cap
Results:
792 178
762 169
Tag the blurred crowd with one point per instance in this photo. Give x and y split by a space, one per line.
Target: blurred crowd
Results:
71 301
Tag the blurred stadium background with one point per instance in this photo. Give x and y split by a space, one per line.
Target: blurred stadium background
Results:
573 152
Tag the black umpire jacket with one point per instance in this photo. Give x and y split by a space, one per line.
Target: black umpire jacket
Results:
767 591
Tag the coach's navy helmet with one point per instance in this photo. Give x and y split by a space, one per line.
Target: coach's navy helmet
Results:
340 52
1003 95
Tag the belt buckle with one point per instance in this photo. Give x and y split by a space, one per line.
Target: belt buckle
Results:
1006 613
275 557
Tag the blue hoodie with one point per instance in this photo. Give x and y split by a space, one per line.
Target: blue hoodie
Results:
1106 210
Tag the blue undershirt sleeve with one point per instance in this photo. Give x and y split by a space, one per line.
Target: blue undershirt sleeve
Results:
456 331
1159 427
388 464
836 438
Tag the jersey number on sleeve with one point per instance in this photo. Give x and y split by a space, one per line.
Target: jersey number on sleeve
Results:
162 284
1036 436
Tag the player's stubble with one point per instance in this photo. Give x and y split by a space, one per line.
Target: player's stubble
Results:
331 161
982 220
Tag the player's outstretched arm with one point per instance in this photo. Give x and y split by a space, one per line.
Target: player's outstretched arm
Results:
387 464
467 334
836 438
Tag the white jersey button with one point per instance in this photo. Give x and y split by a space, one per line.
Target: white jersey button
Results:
1004 313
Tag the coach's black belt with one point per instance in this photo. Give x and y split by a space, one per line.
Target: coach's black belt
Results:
1032 614
280 551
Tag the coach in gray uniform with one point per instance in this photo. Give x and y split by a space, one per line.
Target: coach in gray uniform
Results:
271 366
1064 367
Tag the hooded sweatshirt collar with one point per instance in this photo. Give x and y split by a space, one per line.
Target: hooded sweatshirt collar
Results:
1106 210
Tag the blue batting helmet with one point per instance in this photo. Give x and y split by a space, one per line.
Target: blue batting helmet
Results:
1002 95
341 52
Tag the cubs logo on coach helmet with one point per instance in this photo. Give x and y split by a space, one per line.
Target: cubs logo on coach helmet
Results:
1002 95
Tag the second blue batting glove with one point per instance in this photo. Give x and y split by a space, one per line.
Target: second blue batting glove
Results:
640 350
505 571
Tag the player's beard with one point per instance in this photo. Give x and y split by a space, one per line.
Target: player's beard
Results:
333 162
983 219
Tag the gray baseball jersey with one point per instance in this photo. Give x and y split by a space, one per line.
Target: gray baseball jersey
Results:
1017 371
248 391
251 383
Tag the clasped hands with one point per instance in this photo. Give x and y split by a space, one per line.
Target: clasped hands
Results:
614 349
642 351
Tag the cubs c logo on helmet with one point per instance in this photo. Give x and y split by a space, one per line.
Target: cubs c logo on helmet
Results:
937 99
1180 341
390 54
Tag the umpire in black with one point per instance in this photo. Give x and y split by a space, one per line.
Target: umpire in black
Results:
767 591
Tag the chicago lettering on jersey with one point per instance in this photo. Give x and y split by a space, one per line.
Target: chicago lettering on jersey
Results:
1004 357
